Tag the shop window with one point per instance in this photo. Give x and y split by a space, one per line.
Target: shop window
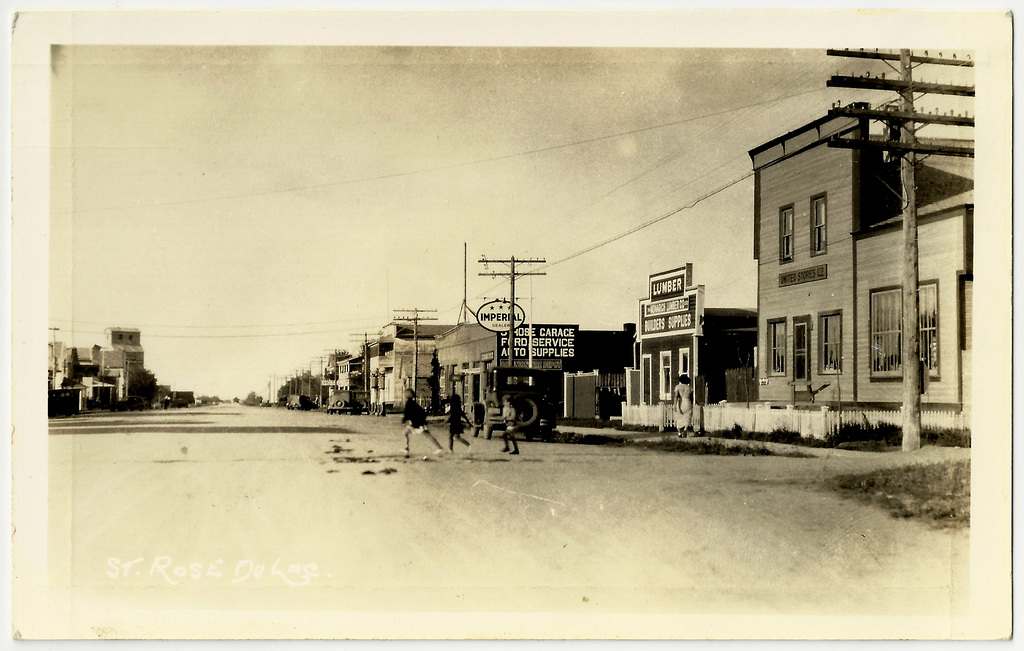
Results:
777 347
819 225
886 339
666 375
830 338
801 349
786 234
887 329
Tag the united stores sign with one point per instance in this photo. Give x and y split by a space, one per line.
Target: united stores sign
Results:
799 276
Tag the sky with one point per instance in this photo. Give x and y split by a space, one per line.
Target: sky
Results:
250 209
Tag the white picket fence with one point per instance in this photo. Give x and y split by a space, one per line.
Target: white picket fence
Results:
816 423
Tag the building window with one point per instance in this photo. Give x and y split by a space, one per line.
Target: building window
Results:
801 349
786 234
928 324
830 337
886 339
887 329
819 223
666 375
777 347
684 361
646 379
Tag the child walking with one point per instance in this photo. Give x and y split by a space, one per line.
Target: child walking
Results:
457 420
415 419
508 414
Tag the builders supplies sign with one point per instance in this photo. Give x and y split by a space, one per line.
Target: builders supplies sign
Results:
680 315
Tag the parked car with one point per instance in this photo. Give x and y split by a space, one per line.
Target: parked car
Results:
297 401
348 401
534 394
131 403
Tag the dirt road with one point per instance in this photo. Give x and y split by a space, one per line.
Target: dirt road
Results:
242 509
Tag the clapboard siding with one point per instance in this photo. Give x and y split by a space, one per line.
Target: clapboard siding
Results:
793 181
880 264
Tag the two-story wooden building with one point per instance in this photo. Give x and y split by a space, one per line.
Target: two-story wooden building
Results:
828 241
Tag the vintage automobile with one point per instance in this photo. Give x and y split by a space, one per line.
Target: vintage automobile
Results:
131 403
534 394
303 402
348 401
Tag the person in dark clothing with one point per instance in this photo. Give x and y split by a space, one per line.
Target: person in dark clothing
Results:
415 419
457 419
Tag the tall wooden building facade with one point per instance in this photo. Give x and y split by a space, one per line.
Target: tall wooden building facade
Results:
828 240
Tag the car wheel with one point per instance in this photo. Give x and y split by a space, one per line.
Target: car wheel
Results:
527 411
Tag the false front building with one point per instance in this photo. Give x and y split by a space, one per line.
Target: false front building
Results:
679 336
829 245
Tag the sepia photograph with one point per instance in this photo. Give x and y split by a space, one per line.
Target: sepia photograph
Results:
525 325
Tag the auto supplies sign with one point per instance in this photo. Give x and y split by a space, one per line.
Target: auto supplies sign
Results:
550 342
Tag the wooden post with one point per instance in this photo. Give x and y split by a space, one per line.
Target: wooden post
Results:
910 355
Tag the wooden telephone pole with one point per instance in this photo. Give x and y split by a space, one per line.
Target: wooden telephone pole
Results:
906 120
512 275
415 321
366 358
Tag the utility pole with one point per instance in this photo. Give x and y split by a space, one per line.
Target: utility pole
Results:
512 275
906 120
415 320
464 311
366 357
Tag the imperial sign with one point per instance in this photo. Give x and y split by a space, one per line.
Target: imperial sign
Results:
494 316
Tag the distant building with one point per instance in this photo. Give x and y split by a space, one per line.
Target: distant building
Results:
391 359
829 246
101 374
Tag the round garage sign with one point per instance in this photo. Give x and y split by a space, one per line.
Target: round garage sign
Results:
494 315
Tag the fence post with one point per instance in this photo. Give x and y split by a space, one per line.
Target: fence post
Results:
790 418
824 422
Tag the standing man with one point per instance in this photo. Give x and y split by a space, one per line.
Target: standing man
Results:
683 395
415 419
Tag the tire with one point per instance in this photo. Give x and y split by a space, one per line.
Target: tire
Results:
527 412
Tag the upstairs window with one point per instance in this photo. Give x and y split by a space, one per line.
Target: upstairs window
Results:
819 225
786 234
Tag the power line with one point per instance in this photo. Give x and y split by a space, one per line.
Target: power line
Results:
438 168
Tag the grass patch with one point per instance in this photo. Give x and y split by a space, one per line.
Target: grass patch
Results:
775 436
583 439
938 493
592 423
711 447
